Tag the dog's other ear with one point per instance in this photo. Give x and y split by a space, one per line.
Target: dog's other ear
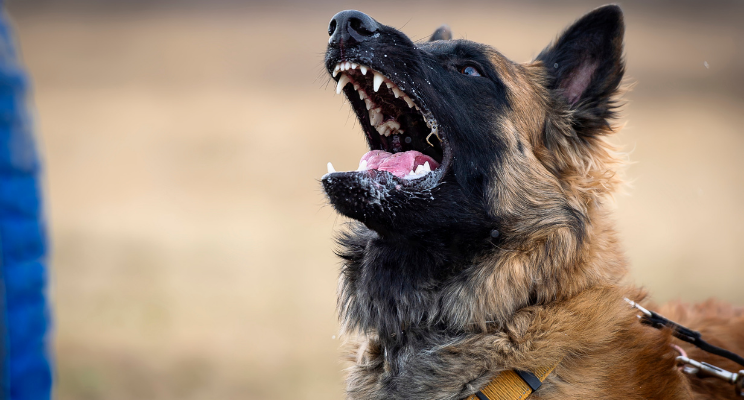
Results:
585 66
442 33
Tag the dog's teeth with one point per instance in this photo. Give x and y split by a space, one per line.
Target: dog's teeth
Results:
377 81
354 66
368 103
363 69
388 128
348 65
389 84
408 101
356 87
362 165
396 92
330 168
375 116
362 96
342 81
383 130
426 167
336 70
418 170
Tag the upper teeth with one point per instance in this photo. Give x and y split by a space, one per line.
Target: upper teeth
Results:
385 128
376 117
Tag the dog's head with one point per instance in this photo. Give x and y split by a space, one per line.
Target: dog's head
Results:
471 153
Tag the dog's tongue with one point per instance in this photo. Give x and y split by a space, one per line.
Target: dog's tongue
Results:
398 164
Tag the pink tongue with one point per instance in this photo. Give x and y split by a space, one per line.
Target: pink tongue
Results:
398 164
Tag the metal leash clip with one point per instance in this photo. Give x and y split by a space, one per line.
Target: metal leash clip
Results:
704 370
690 366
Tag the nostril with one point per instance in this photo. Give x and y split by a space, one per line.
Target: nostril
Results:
332 28
358 26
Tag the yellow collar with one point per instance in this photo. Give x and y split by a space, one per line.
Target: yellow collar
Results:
513 384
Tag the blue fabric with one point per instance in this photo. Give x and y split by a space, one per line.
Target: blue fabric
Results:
25 367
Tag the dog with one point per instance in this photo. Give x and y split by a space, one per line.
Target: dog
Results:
480 241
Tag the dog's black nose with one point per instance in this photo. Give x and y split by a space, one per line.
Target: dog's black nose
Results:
351 25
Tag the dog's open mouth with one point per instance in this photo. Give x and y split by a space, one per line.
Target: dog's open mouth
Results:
404 139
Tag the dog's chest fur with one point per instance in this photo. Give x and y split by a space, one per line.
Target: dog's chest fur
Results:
593 338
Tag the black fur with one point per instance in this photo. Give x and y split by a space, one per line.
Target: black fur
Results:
415 240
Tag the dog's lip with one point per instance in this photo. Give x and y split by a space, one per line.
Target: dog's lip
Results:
428 180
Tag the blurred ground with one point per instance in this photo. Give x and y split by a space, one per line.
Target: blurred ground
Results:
183 141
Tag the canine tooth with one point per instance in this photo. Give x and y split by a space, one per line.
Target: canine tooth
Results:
408 101
330 168
367 102
426 167
362 165
342 81
396 92
353 66
419 170
363 69
377 81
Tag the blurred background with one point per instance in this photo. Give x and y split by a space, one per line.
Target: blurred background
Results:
183 142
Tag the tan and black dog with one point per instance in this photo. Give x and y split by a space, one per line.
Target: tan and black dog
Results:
482 242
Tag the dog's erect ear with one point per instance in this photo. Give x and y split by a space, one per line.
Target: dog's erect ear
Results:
585 65
442 33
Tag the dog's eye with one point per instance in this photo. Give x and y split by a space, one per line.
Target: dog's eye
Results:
470 71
